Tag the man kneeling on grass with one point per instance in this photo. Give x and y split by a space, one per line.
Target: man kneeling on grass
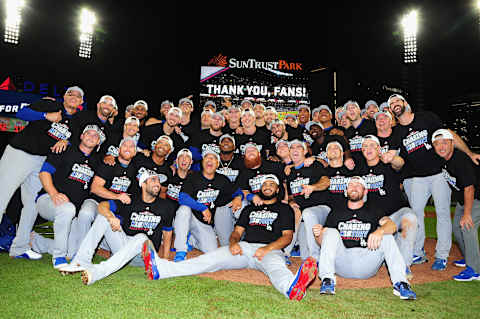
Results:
356 240
267 228
126 228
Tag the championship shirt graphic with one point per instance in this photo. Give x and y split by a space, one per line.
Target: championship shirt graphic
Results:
323 156
120 184
296 185
173 191
416 140
375 183
144 221
112 150
450 179
384 149
338 184
81 173
354 230
211 147
263 218
255 183
231 174
208 196
59 131
356 144
307 138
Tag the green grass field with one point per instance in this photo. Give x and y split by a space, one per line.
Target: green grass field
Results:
32 289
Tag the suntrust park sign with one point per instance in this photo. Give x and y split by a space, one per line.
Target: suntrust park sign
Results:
221 60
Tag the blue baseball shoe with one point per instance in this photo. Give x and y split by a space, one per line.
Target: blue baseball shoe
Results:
328 286
460 263
59 262
30 255
305 275
467 275
404 291
439 264
180 256
148 254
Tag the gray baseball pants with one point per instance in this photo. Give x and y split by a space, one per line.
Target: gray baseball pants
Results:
20 169
419 190
272 265
225 220
312 216
467 240
203 234
359 263
407 225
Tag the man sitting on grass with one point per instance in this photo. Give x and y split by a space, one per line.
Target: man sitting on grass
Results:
267 228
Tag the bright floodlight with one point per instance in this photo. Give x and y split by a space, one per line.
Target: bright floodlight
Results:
87 22
410 26
478 4
13 20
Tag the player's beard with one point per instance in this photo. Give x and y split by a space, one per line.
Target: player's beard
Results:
150 191
226 152
265 197
251 163
355 198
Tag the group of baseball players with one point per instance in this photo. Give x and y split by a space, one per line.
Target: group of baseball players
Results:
344 191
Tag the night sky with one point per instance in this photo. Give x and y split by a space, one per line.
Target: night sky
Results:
155 53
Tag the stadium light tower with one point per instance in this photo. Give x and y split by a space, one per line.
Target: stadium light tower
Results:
87 22
410 27
13 9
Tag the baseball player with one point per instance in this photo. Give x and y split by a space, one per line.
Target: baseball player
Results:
266 229
423 177
383 184
202 193
306 187
49 122
356 241
66 180
177 181
324 116
233 125
131 129
126 228
389 141
252 134
207 139
270 115
359 128
109 183
231 164
371 108
187 127
463 177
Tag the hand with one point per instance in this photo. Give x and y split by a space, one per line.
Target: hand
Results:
174 169
287 169
59 147
323 162
235 249
114 223
475 158
317 230
293 204
336 131
466 222
207 216
178 130
59 199
307 190
124 198
146 153
54 116
109 160
257 201
349 163
388 156
236 203
308 161
260 253
239 130
375 239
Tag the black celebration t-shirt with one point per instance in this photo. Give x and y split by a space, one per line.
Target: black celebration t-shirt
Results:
142 163
355 138
250 178
39 136
306 176
232 168
460 172
264 224
354 226
139 217
118 178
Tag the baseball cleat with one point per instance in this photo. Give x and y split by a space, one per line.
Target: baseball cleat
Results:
180 256
460 263
305 275
59 262
417 260
404 291
30 255
467 275
71 269
328 286
148 254
86 277
439 264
